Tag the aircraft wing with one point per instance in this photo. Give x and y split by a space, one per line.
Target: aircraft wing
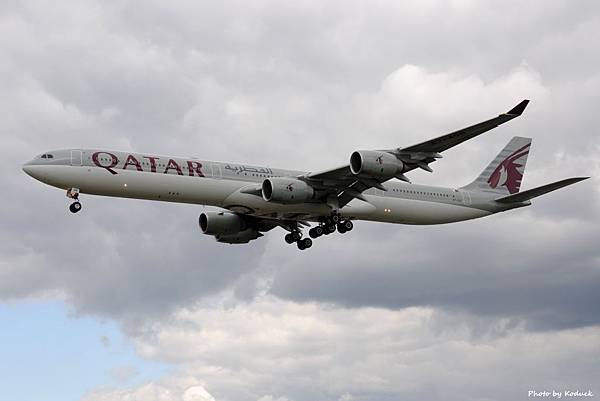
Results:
342 185
452 139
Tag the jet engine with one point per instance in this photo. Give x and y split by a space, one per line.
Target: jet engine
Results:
221 223
227 227
375 164
286 190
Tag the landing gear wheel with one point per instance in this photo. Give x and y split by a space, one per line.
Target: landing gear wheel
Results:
296 235
329 229
341 228
289 239
316 232
75 207
335 218
348 226
304 244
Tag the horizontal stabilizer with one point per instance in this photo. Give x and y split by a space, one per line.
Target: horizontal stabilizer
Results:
535 192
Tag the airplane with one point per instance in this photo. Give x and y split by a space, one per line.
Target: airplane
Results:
254 199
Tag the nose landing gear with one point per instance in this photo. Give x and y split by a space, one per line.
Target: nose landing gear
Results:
75 207
73 193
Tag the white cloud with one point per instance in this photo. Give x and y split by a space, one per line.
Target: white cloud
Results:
173 390
275 349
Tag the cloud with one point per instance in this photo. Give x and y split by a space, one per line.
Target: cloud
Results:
154 392
477 309
500 266
275 349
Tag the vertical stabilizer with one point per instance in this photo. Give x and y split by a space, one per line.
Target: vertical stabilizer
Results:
505 173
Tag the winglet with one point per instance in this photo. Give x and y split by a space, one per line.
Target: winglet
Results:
518 109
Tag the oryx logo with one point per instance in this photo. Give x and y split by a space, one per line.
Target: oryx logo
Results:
379 159
289 187
507 173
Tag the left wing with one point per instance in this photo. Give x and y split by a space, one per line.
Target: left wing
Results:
369 169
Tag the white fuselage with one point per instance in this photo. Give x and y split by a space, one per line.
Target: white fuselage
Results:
172 179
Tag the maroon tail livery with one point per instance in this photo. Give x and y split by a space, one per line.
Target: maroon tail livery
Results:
505 173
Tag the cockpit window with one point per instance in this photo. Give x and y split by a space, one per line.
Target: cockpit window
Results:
47 156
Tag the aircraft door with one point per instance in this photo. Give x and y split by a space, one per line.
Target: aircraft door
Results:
466 197
216 170
76 158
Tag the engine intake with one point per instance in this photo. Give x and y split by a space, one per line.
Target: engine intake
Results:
375 164
286 190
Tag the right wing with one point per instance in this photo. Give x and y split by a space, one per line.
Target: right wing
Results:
341 185
452 139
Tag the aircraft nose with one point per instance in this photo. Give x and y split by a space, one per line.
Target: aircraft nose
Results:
28 169
32 170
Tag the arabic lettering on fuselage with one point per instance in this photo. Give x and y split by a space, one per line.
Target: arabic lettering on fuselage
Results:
238 169
112 164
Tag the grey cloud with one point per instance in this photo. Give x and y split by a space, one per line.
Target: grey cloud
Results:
543 272
221 84
142 261
302 85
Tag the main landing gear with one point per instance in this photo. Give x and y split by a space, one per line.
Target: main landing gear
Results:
73 193
296 236
327 225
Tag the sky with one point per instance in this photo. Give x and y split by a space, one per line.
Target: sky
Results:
128 300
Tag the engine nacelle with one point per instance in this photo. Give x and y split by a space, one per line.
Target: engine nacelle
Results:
221 223
286 190
375 164
241 237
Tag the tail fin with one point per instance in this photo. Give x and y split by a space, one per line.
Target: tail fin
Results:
504 174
